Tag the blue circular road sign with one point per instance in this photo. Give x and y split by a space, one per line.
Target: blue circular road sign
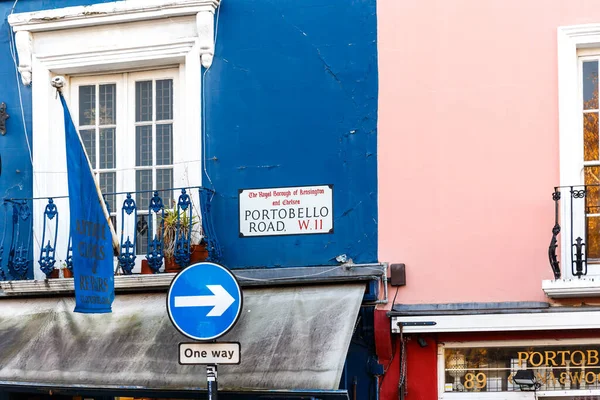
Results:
204 301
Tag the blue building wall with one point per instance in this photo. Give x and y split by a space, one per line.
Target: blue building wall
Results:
290 100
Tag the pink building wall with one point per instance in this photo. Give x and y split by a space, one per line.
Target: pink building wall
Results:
468 144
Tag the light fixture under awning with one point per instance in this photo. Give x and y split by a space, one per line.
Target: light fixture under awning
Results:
292 338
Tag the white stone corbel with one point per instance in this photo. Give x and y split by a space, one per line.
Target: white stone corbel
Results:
24 44
205 21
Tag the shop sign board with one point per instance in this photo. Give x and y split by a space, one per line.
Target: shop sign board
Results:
204 301
209 353
298 210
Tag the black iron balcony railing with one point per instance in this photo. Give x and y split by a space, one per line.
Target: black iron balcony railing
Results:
577 219
150 225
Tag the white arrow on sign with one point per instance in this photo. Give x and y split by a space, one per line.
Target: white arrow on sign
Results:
220 300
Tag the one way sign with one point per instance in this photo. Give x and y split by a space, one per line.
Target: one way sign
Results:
204 301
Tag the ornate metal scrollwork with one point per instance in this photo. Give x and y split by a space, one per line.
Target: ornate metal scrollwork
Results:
155 251
578 193
18 261
554 263
127 256
183 233
48 252
579 262
556 195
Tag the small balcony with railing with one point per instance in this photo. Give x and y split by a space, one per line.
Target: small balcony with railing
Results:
574 250
158 232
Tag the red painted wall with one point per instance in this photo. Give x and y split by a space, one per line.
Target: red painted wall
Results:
421 362
421 371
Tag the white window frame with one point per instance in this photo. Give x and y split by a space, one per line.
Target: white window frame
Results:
516 395
570 41
104 38
126 134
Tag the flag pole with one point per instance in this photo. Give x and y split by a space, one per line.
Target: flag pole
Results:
58 82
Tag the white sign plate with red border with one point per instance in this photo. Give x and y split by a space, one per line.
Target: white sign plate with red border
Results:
297 210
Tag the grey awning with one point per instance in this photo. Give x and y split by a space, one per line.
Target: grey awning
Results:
291 337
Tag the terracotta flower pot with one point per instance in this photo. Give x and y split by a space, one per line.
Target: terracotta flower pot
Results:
146 268
198 253
55 274
171 265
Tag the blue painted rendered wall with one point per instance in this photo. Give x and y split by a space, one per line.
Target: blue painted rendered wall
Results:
291 100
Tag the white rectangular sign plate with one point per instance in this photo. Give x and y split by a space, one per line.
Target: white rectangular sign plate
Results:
299 210
209 353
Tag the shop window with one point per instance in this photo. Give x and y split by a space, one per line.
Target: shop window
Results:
492 369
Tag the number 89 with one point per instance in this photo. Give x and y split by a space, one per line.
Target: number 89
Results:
475 381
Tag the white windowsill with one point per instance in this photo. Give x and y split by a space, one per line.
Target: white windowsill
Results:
574 287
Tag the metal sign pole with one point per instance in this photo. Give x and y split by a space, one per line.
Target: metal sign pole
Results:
211 378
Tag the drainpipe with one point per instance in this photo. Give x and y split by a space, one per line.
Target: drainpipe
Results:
384 281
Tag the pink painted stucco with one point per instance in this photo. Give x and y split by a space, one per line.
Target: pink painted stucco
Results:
468 143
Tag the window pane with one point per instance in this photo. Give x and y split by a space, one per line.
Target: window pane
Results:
590 136
164 182
143 145
592 206
143 101
164 144
107 104
88 136
592 197
593 239
143 181
107 148
107 185
87 105
590 85
164 99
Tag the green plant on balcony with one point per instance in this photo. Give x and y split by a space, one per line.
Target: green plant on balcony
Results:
170 221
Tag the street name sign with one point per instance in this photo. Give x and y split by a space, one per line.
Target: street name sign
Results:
209 353
204 301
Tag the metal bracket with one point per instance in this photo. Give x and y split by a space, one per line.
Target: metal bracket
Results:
420 323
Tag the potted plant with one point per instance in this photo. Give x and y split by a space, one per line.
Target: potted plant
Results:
61 272
197 251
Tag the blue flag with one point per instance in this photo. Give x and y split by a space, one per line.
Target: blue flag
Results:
91 234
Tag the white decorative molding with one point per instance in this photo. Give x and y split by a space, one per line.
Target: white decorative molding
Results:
527 321
571 288
24 44
206 33
139 37
117 12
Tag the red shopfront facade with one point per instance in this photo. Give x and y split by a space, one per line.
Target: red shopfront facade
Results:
464 352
